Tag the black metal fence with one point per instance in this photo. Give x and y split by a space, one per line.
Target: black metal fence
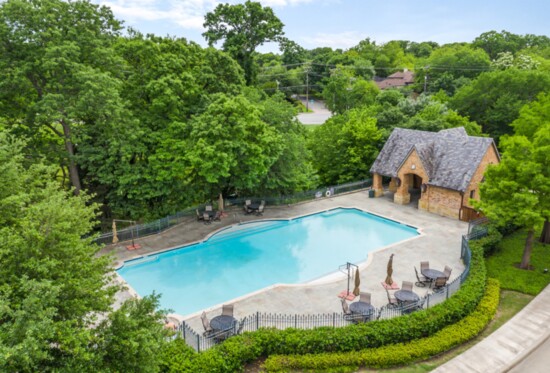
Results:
201 342
188 215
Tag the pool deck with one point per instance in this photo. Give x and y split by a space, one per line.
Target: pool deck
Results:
439 243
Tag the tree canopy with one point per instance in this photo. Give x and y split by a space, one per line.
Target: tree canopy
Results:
243 28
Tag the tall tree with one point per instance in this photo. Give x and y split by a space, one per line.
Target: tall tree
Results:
243 27
345 147
516 190
56 69
494 99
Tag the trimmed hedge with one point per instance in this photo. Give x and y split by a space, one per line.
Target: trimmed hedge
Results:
231 355
401 353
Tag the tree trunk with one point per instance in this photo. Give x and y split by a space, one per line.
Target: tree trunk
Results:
527 250
73 169
545 236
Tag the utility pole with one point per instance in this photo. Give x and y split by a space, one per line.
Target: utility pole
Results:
426 78
307 90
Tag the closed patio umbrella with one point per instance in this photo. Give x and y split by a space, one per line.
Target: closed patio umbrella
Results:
115 237
357 282
220 203
389 280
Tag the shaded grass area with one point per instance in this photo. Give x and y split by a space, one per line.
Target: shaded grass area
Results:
511 302
503 265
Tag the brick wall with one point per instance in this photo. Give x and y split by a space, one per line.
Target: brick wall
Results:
441 201
490 157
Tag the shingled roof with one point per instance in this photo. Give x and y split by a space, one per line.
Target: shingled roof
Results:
449 157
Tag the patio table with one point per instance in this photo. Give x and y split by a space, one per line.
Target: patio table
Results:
223 322
406 296
432 274
362 308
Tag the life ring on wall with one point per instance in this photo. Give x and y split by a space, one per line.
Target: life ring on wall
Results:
423 187
328 193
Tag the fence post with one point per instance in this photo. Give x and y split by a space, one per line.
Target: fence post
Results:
447 292
183 330
257 320
334 319
428 301
198 343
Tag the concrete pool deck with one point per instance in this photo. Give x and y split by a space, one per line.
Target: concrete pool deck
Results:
439 243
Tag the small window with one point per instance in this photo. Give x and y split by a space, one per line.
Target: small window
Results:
472 193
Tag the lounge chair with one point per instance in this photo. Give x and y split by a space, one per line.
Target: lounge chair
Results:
447 272
227 309
364 297
206 324
206 218
421 281
199 216
439 284
392 301
407 286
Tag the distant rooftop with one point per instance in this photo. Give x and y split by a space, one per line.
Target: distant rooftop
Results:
398 79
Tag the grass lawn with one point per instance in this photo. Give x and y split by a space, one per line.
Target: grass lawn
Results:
511 302
503 265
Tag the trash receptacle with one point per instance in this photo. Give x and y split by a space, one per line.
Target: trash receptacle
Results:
371 193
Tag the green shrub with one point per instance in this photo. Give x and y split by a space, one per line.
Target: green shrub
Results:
401 353
490 242
231 355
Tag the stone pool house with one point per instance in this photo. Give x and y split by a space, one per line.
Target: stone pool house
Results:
441 170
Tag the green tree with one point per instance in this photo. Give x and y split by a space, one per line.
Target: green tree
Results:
494 99
517 189
343 91
243 27
56 73
345 146
534 124
53 283
451 62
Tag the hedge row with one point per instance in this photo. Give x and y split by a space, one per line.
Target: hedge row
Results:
231 355
397 354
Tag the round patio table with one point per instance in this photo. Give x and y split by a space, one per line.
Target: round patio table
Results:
432 274
362 308
223 322
406 296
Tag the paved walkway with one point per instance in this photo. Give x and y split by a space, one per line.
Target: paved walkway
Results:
319 115
439 243
520 345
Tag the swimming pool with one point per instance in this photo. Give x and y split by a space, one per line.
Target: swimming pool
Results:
249 257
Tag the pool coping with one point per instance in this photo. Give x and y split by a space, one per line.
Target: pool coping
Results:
327 278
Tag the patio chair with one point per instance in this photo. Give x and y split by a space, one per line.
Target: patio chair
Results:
439 284
348 316
424 265
206 218
208 208
421 281
199 216
245 208
407 286
227 309
206 324
260 211
447 272
392 301
364 297
241 326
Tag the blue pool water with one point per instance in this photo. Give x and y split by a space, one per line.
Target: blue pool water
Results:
249 257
